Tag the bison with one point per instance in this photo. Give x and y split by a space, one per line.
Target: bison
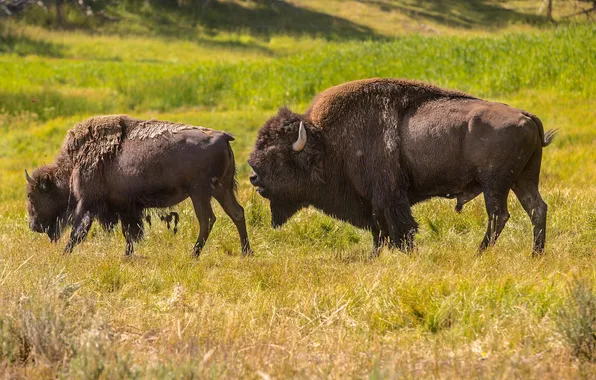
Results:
366 151
112 168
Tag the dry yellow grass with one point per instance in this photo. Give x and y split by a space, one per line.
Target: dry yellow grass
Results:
309 303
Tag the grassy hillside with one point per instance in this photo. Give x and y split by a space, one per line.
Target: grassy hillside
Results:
309 304
336 20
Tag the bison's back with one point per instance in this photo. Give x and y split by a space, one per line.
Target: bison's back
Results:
360 97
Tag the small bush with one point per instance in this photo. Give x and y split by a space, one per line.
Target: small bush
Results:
51 327
37 329
577 320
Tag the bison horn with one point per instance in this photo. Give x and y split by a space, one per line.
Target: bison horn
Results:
299 144
29 179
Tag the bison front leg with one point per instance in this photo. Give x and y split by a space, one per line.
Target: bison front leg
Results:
206 217
132 229
379 233
83 220
401 225
380 240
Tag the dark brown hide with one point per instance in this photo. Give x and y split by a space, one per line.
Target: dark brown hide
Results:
121 166
375 147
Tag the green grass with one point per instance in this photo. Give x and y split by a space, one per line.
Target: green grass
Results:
309 304
485 66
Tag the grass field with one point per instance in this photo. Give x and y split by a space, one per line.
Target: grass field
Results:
309 304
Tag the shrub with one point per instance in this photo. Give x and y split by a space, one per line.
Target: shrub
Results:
576 320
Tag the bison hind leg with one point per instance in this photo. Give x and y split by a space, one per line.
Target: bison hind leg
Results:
498 215
235 211
526 190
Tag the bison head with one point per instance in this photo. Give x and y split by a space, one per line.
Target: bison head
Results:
287 164
47 203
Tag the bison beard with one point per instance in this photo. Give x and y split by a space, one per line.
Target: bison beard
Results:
366 151
282 211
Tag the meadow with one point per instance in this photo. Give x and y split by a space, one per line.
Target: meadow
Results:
310 303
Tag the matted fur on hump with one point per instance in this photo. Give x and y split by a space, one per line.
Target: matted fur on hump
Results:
99 138
150 129
93 140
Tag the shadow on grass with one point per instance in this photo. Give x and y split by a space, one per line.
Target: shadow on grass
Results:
263 18
459 13
11 43
236 45
268 17
48 104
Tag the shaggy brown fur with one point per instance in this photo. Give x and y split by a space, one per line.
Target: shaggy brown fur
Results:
94 140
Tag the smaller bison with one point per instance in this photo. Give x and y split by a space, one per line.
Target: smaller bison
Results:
112 168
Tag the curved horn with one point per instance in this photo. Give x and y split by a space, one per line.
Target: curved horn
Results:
299 144
29 179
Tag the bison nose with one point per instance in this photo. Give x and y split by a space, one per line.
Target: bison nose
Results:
254 179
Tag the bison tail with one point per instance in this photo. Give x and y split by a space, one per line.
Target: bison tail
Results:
229 137
549 136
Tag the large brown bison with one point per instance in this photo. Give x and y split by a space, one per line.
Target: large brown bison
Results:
113 167
366 151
